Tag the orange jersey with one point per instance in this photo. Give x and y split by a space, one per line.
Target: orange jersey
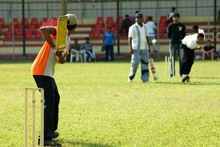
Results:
44 64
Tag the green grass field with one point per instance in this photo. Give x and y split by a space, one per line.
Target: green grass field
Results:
100 108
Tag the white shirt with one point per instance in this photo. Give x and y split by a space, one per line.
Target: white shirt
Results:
133 33
150 27
171 14
190 41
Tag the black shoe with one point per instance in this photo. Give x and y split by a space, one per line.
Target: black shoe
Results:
188 79
55 134
52 143
184 79
155 51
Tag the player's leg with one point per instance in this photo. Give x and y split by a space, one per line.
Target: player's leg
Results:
111 53
56 105
203 56
212 55
184 65
180 55
135 60
49 97
144 66
107 52
172 51
190 62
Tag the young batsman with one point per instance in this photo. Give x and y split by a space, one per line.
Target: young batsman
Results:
43 71
139 45
189 44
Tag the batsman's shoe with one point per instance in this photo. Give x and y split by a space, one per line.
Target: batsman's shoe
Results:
55 134
184 78
129 80
145 81
188 79
51 143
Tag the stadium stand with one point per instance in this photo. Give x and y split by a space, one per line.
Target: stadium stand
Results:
93 29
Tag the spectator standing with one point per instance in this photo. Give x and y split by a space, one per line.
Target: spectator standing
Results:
151 35
139 46
208 50
108 42
176 32
125 25
87 47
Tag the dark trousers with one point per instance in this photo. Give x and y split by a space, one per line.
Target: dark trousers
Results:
90 55
109 49
51 104
188 60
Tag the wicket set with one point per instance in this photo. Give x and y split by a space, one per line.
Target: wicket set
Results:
168 67
33 116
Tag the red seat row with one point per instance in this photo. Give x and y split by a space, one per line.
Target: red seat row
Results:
19 36
34 21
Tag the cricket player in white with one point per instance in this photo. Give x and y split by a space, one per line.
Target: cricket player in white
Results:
139 45
151 29
189 44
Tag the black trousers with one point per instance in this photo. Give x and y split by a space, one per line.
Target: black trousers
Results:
109 49
188 60
51 104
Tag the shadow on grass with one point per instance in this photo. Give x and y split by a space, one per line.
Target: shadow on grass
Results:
191 83
85 144
214 78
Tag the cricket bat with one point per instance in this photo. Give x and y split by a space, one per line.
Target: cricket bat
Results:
153 70
61 33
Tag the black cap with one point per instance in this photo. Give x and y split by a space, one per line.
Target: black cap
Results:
176 15
139 15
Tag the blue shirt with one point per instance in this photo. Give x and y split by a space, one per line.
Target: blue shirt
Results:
109 38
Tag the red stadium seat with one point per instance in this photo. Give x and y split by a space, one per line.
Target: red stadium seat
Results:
16 21
98 27
43 20
108 25
26 22
110 21
19 28
162 27
100 20
115 32
8 35
120 20
116 26
18 35
28 35
96 34
31 28
2 22
38 35
34 21
18 32
163 19
54 19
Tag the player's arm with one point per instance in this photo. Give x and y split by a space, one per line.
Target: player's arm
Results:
46 32
148 43
183 32
130 45
169 31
